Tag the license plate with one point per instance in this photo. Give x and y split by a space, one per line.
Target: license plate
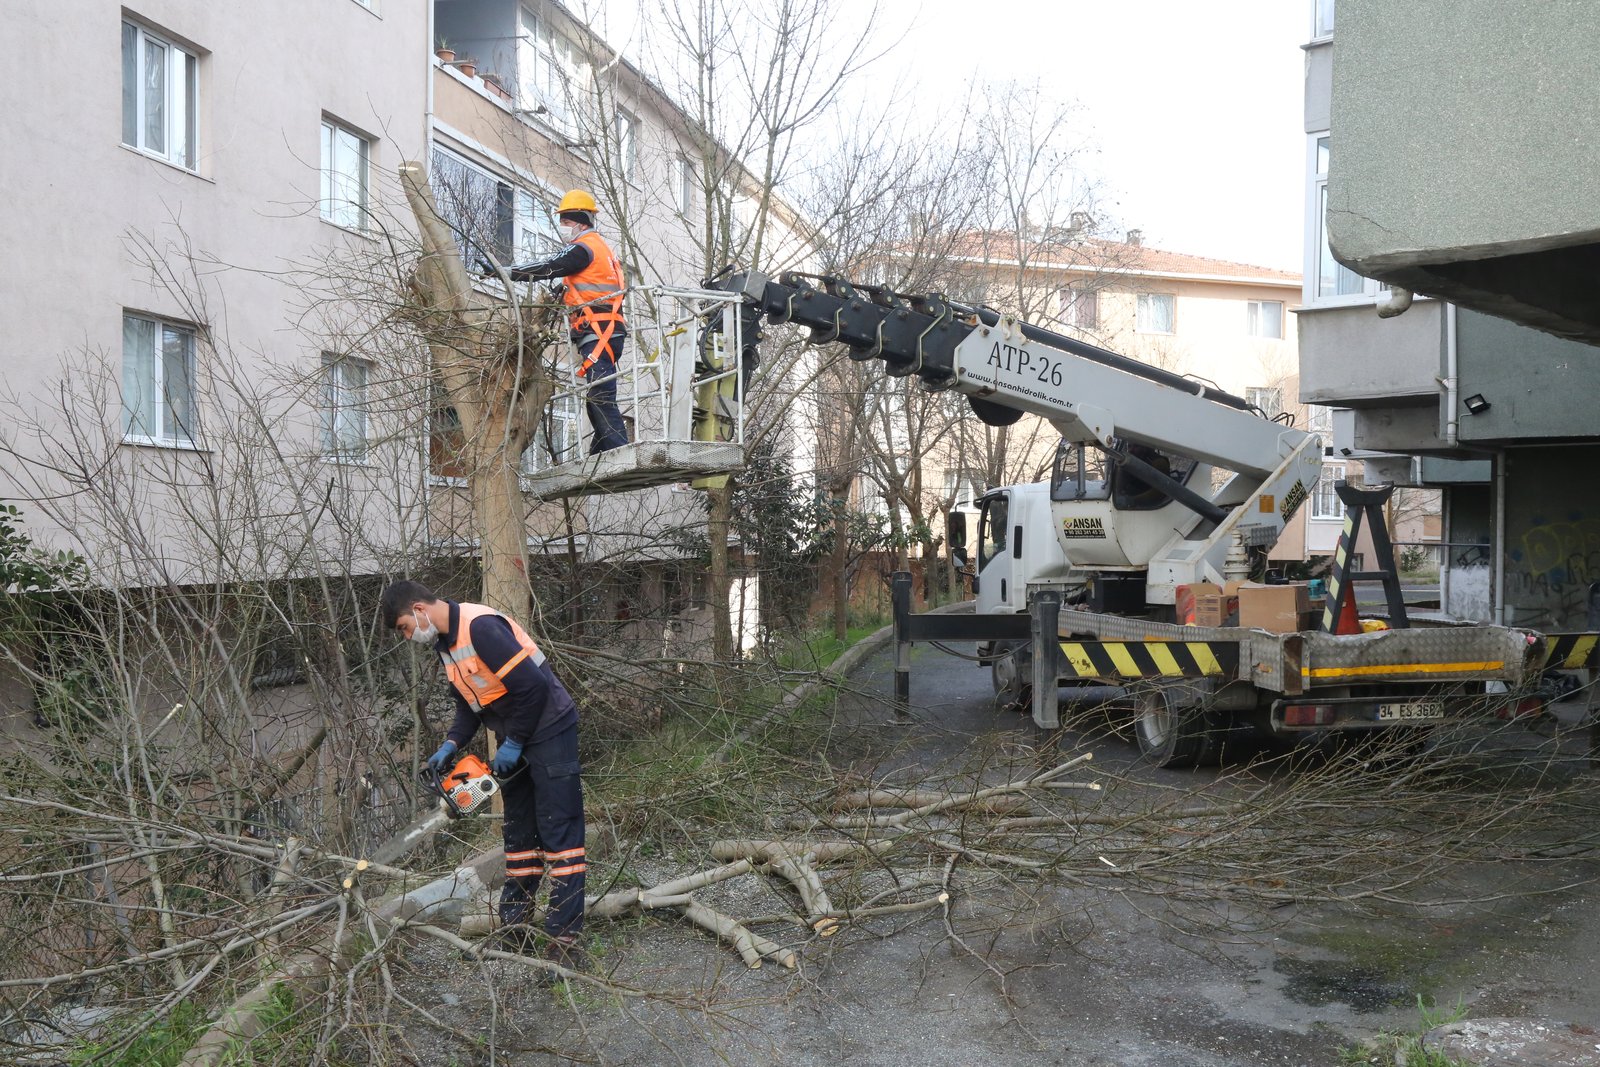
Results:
1420 710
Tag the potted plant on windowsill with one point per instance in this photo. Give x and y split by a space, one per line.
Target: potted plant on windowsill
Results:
445 53
468 67
497 86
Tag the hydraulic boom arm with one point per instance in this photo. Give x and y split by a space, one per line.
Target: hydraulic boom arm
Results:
1005 368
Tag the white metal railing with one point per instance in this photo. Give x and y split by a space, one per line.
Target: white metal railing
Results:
672 360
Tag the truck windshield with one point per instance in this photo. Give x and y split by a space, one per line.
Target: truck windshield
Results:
1079 473
992 529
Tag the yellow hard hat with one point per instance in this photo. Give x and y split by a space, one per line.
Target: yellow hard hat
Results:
577 200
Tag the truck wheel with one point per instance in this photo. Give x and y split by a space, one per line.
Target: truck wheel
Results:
1012 675
1173 730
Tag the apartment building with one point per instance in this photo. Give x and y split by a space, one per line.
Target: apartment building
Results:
1439 198
169 373
210 198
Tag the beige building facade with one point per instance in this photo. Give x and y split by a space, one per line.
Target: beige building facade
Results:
173 366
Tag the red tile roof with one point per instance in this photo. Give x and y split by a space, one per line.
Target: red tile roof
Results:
1097 254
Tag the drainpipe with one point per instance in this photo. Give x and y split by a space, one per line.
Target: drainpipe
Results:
427 72
1394 302
1498 547
1450 381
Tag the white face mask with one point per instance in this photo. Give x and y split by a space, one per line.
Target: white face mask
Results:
418 634
571 230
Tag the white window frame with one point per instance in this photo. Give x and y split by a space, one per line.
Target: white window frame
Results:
179 90
1140 318
1269 398
625 141
1073 300
563 425
1321 19
1325 503
686 185
963 490
344 408
547 73
1255 326
169 430
534 232
334 202
1318 155
438 412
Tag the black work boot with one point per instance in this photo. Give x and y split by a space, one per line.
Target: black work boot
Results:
564 952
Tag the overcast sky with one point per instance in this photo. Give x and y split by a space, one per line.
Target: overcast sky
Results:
1197 108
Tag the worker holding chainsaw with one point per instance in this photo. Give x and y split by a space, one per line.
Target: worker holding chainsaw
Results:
502 681
593 295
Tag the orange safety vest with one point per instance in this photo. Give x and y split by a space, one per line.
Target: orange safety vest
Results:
595 295
477 684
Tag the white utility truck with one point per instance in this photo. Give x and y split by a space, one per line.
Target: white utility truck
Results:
1160 482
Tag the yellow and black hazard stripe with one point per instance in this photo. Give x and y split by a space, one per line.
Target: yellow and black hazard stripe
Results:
1571 651
1149 659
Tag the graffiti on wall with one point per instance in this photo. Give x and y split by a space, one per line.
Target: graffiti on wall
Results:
1552 572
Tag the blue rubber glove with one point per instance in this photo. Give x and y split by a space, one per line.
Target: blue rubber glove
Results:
437 761
506 757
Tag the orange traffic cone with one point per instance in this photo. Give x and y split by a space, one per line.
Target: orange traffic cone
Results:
1348 621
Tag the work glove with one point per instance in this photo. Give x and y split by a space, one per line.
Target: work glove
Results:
506 757
437 761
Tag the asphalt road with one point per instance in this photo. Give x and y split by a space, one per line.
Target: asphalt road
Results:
1063 975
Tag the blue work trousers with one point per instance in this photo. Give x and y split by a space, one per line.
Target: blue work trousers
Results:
601 400
544 834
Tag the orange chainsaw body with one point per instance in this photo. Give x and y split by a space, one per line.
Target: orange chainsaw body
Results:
468 786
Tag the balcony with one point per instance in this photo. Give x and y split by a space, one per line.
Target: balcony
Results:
1461 156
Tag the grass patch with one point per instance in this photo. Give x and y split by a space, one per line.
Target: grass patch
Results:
816 650
1405 1047
164 1043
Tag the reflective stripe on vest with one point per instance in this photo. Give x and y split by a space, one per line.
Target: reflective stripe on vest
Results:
595 293
472 678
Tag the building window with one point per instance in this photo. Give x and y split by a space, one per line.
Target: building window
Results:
345 159
625 134
1156 312
1321 19
685 185
478 206
961 489
1325 502
1267 399
1329 278
160 96
447 442
545 69
1264 318
158 401
1080 308
344 407
1319 419
556 439
535 236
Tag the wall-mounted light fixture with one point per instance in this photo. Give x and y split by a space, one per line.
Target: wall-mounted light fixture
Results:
1476 404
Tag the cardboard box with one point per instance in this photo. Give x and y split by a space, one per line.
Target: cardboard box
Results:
1215 609
1204 604
1185 600
1279 609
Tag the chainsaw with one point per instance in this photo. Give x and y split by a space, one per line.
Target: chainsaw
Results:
466 789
